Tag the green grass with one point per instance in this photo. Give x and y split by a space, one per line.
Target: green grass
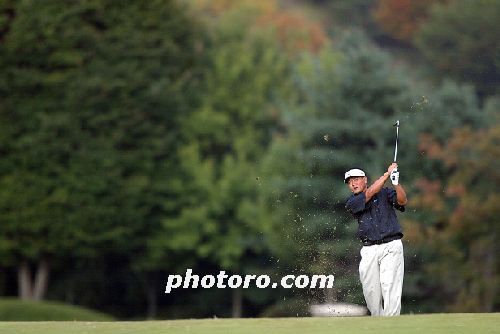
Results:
18 310
426 324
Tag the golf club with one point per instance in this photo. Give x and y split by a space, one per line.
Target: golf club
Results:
397 135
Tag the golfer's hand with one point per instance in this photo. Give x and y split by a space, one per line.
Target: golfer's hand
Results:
393 166
395 177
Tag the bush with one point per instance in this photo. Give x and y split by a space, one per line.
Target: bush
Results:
19 310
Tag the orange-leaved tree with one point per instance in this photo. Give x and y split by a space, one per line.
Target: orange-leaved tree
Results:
401 19
295 31
462 231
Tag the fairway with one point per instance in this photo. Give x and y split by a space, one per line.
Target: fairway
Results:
427 324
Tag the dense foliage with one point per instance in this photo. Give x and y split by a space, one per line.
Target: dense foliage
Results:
139 139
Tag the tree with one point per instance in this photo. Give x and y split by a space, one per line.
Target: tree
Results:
226 137
463 228
346 99
435 113
460 40
93 93
401 19
355 13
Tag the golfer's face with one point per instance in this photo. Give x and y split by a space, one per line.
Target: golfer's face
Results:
357 184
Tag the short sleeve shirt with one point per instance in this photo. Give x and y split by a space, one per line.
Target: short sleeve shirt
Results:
376 218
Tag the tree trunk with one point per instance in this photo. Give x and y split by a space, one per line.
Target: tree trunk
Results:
488 281
69 294
152 301
24 281
330 295
29 289
150 281
41 280
237 303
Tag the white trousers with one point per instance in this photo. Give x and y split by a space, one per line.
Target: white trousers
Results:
381 272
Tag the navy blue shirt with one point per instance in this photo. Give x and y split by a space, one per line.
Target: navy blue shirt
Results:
376 218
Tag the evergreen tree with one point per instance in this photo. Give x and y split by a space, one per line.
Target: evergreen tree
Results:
226 138
461 40
92 93
347 101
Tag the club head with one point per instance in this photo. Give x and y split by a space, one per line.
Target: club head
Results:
397 123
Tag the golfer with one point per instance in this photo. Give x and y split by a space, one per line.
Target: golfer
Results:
381 269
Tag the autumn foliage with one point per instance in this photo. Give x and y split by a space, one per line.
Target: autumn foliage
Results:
294 31
463 233
401 19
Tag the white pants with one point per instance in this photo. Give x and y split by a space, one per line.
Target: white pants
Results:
381 271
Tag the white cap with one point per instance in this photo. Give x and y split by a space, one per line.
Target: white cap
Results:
353 172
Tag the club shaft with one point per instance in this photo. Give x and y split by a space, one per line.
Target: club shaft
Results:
396 147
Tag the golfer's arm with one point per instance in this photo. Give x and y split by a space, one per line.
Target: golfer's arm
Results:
376 187
401 195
